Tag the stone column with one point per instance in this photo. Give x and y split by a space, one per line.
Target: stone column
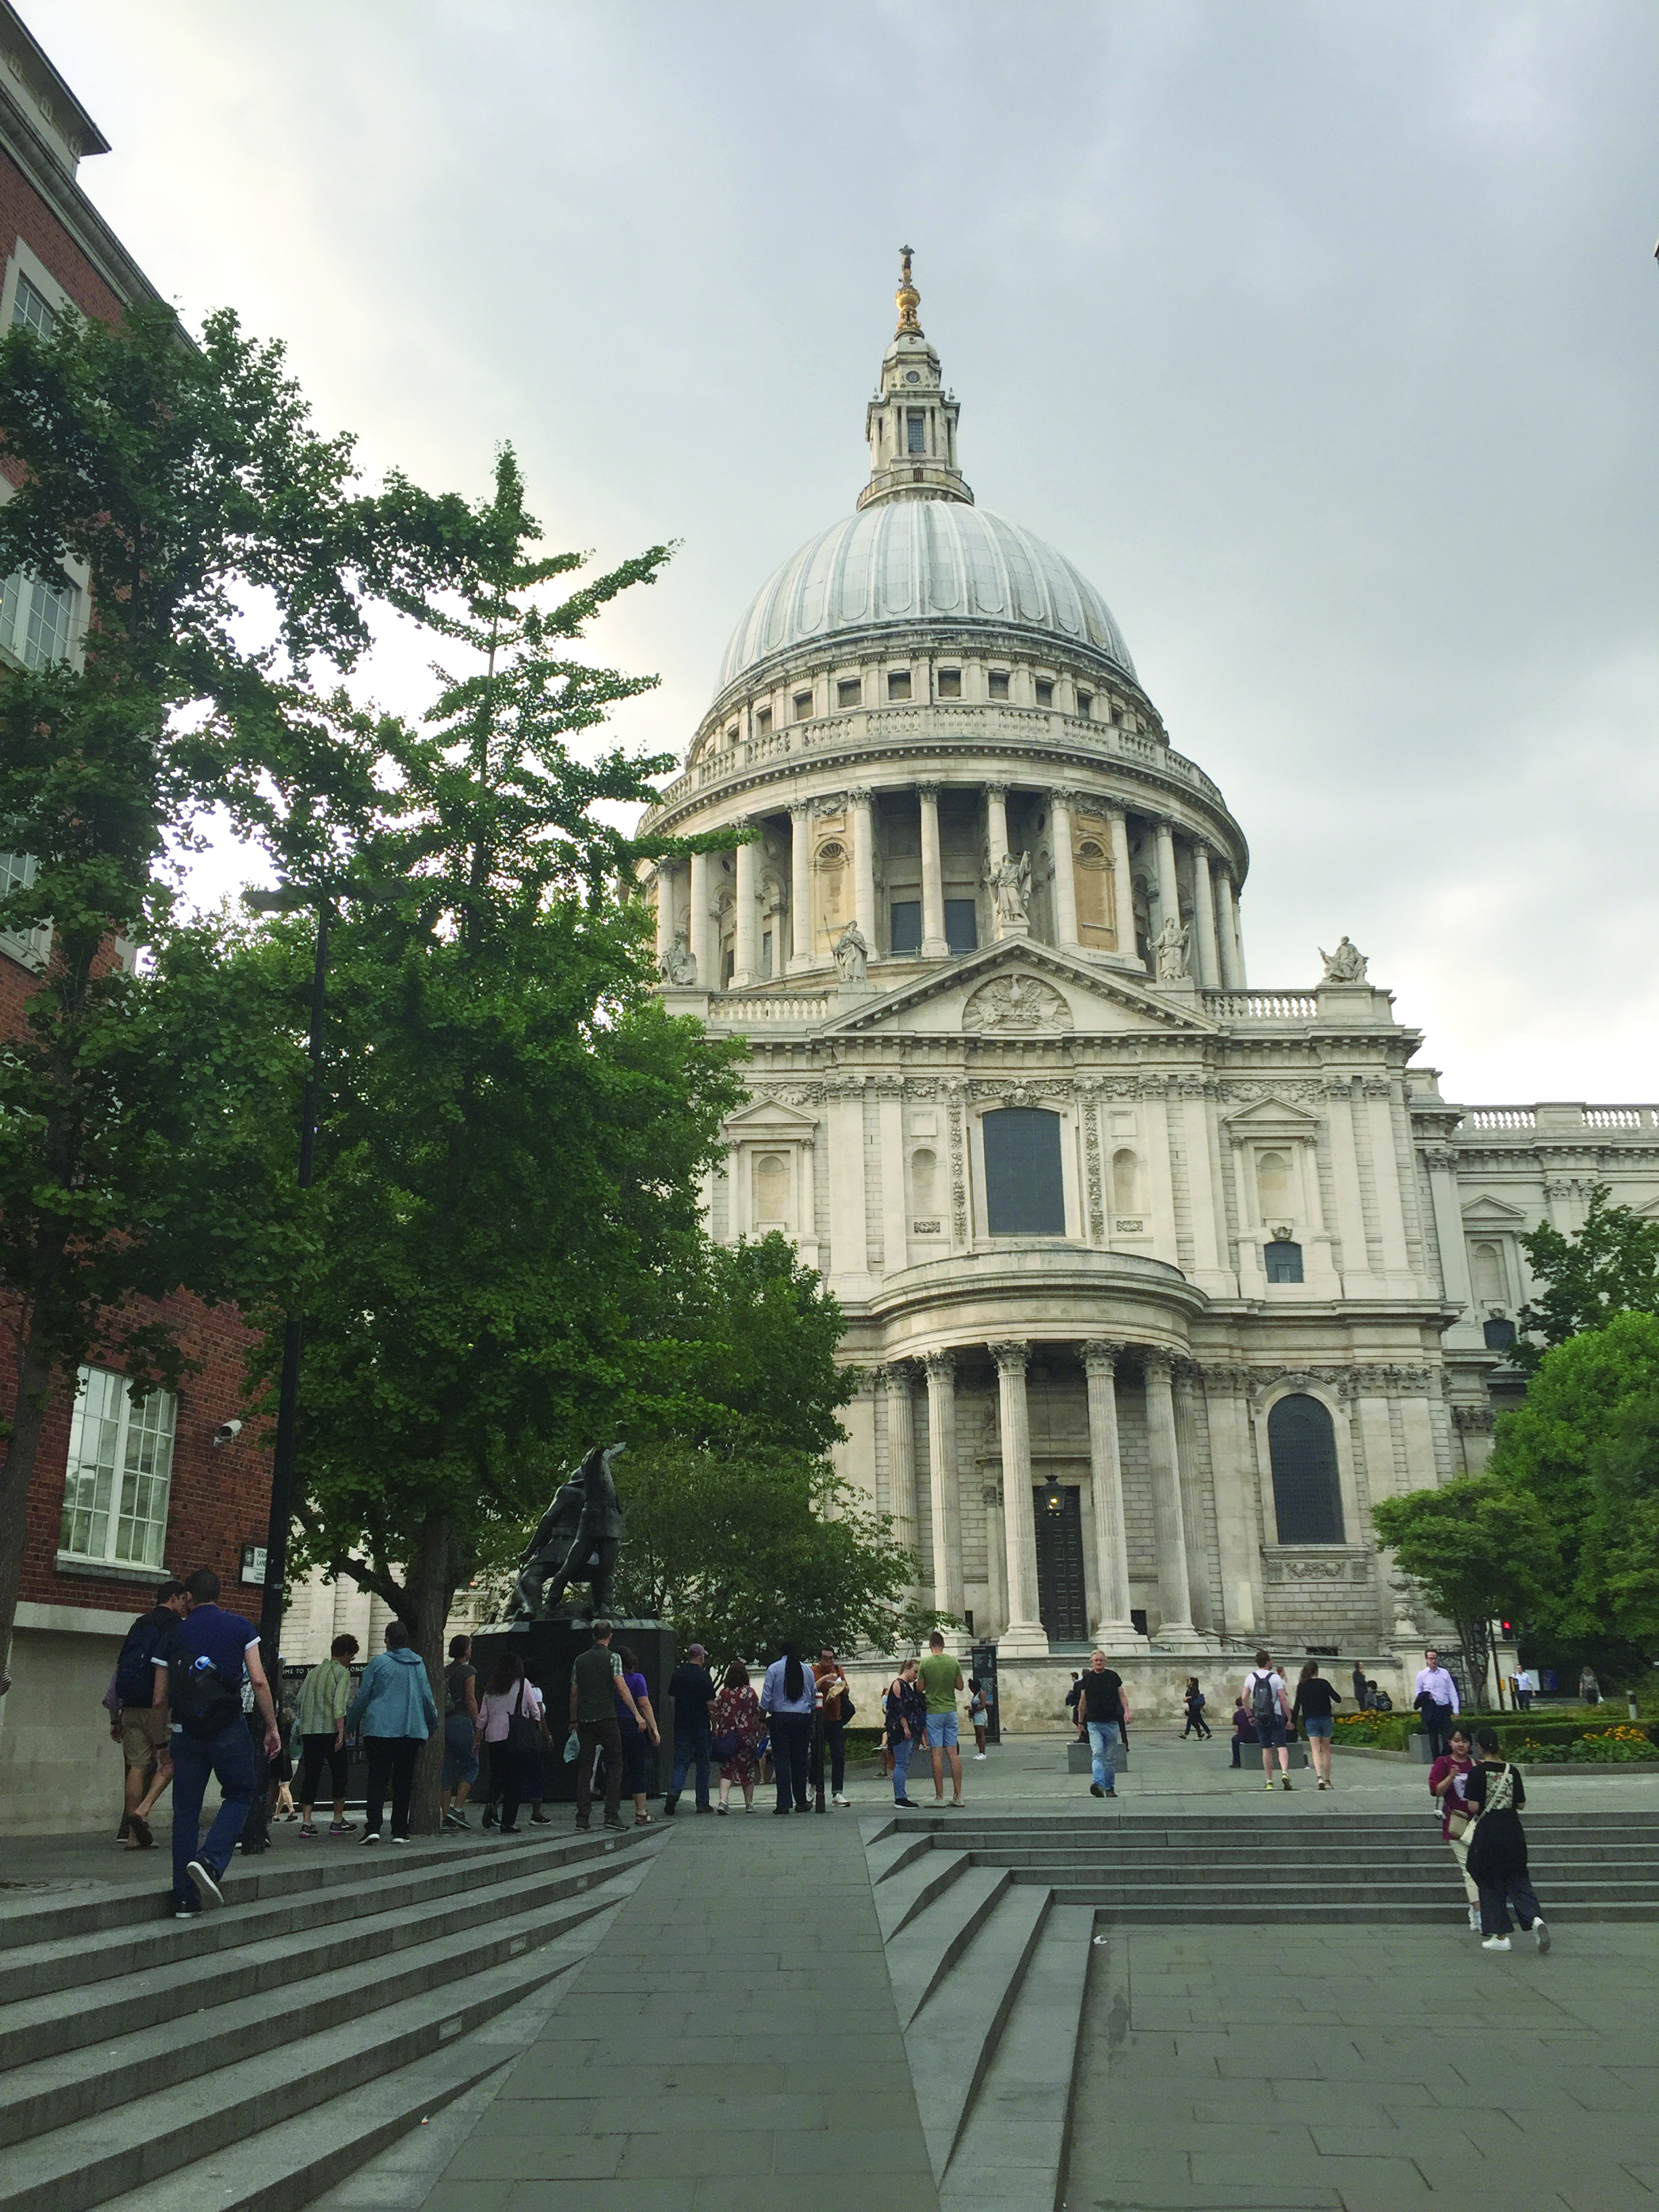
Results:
996 822
1060 823
745 969
1235 932
1024 1637
705 925
1209 949
1115 1628
1442 1164
665 873
901 1452
942 1483
800 887
1123 885
1168 883
1232 967
863 867
1200 1610
1167 1520
933 947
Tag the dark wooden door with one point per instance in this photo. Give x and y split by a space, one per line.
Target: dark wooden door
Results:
1062 1597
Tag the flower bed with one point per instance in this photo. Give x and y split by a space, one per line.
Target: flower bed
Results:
1614 1747
1376 1731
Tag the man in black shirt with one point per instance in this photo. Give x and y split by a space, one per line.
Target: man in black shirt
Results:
1105 1713
135 1722
691 1687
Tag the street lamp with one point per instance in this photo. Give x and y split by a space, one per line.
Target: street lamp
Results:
296 898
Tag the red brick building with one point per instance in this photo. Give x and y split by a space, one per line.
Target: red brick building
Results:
122 1493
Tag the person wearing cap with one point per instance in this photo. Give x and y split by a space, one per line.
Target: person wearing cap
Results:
691 1690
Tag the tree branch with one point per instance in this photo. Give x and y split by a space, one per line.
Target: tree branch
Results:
375 1580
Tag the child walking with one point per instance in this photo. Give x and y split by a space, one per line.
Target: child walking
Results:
1497 1848
978 1714
1196 1723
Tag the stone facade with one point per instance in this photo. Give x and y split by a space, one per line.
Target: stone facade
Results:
1094 1206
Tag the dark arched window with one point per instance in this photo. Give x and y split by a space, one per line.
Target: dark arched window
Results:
1284 1260
1024 1190
1307 1490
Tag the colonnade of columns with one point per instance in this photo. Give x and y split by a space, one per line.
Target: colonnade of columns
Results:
1216 959
1171 1454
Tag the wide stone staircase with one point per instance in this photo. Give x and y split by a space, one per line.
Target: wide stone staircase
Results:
249 2059
990 1922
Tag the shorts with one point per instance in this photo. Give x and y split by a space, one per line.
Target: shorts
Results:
1312 1725
1270 1735
143 1736
460 1752
941 1731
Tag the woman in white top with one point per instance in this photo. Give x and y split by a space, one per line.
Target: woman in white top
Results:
515 1772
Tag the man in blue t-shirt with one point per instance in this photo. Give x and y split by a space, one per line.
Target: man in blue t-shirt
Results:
213 1649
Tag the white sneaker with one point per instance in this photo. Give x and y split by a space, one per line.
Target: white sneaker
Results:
1541 1934
840 1800
982 1754
1474 1919
373 1837
1495 1943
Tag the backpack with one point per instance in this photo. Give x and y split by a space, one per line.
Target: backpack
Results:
1264 1701
134 1670
203 1701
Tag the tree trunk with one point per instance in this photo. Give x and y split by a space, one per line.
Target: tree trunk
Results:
33 1396
428 1582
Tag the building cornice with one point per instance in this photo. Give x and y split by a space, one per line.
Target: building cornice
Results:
88 229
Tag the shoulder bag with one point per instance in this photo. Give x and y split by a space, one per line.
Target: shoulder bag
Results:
523 1738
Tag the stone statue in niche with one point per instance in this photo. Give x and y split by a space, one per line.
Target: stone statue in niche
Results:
580 1539
1347 964
1010 883
852 952
1169 950
678 965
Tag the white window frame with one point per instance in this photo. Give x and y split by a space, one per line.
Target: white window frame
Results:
117 1483
32 948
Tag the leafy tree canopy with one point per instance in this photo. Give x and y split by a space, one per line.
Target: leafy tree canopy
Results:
1610 1266
1477 1548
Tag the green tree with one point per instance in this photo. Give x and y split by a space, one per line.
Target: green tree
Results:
183 478
1610 1266
1581 1447
1477 1548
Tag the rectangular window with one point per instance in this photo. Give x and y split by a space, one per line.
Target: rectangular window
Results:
1085 704
962 925
906 917
731 735
120 1473
1024 1188
30 308
950 684
849 692
766 952
763 721
37 618
803 706
916 425
728 967
898 684
1045 692
999 680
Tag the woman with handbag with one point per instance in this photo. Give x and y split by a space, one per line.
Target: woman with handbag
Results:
905 1711
1448 1785
738 1730
513 1723
1497 1848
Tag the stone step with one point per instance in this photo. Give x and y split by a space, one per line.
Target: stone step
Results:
904 1895
888 1855
920 1956
951 2039
158 1952
1105 1854
283 2167
1113 1910
252 2009
1010 2152
228 2100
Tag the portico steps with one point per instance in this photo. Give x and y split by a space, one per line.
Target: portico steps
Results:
333 1988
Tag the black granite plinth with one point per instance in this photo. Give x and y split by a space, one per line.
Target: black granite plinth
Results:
549 1649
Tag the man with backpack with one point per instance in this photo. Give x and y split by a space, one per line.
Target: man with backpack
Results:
1268 1704
200 1678
135 1723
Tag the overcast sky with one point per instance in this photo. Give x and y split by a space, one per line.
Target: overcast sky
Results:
1325 338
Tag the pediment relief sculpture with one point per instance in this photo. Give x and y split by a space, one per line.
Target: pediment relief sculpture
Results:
1012 1004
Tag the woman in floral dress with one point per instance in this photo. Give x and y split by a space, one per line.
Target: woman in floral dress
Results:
736 1720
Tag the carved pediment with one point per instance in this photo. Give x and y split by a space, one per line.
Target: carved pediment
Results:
1016 1004
1489 1213
769 1120
1019 988
1275 1119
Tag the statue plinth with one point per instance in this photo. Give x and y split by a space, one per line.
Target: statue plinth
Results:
1011 928
548 1650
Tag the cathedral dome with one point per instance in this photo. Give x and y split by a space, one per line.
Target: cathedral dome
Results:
899 562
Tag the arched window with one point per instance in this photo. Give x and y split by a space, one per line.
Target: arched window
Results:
1486 1265
771 1190
1307 1490
1283 1260
1126 1183
1092 880
1024 1189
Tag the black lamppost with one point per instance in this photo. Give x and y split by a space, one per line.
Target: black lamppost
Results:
294 898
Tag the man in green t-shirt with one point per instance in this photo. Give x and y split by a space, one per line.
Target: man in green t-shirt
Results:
596 1683
941 1678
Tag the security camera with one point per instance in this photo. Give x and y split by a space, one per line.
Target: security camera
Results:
227 1432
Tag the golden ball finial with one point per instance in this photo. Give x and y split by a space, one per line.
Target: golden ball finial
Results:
907 299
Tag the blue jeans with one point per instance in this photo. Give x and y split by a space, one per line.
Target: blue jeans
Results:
904 1752
692 1747
1102 1739
229 1757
